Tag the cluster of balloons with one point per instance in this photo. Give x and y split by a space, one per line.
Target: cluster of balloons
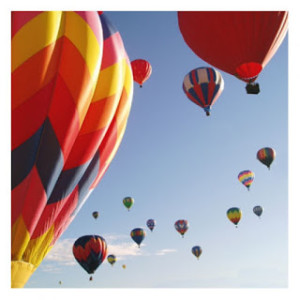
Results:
266 156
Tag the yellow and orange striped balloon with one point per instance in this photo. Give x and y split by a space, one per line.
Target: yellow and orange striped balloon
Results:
72 88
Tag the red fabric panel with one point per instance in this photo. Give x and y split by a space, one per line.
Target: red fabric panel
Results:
229 39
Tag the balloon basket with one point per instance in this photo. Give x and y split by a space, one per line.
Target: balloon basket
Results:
252 88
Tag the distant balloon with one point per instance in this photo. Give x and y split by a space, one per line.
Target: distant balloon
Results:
258 210
151 224
203 86
196 250
141 70
234 214
246 178
124 266
111 259
128 202
182 226
266 156
90 252
95 214
138 235
59 282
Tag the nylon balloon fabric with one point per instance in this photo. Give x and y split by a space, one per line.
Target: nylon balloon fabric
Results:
72 88
240 43
90 251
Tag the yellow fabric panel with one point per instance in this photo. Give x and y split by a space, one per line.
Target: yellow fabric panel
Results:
34 36
110 82
20 240
39 247
20 273
83 38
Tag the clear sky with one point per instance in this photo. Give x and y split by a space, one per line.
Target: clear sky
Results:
177 163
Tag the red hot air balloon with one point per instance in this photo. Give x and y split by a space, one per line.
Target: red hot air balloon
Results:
71 96
181 226
141 70
240 43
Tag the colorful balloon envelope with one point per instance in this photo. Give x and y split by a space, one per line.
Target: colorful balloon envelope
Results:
138 235
234 214
90 252
151 224
246 178
111 259
128 202
258 210
141 70
203 86
240 43
182 226
197 251
266 156
95 214
72 90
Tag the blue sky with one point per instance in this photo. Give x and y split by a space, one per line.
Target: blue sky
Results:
179 164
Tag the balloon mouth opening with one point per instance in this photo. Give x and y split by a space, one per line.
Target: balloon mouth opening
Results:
249 71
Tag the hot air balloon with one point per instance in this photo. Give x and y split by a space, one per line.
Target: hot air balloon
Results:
246 178
138 235
124 266
203 86
60 283
90 252
234 214
196 250
71 96
182 226
141 70
151 224
240 43
266 156
111 259
128 202
258 210
95 214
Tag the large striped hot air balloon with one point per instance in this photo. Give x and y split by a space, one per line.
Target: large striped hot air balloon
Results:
234 215
240 43
246 178
203 86
266 156
72 89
